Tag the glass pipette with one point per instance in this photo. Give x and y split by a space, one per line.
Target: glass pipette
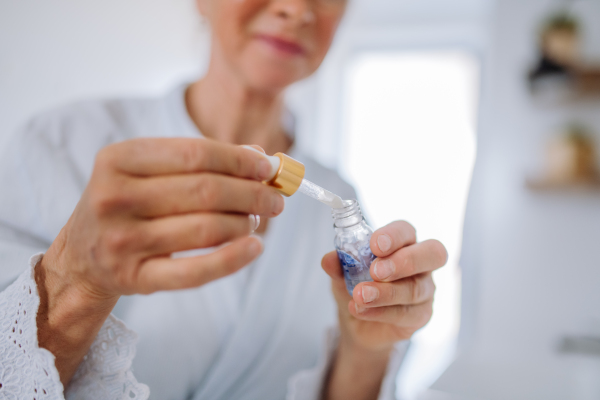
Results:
320 194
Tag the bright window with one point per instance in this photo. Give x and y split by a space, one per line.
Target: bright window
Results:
409 147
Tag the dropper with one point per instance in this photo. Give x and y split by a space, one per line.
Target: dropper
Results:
287 177
323 195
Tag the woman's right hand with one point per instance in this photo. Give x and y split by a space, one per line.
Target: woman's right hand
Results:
146 199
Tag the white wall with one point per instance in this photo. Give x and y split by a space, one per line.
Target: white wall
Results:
57 51
531 263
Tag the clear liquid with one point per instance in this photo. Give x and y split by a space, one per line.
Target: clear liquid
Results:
318 193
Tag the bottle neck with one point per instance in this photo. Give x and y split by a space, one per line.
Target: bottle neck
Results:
347 217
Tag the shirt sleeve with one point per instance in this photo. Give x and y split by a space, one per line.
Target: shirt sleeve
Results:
308 384
28 371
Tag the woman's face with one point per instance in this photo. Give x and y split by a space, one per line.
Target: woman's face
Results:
270 44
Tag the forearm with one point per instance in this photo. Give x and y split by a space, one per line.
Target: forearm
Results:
68 318
356 373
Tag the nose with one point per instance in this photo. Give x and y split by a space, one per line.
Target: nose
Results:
299 11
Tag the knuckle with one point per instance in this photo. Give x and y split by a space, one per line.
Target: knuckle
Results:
202 229
118 240
414 289
238 163
402 311
101 202
124 277
107 200
207 191
192 156
261 199
394 293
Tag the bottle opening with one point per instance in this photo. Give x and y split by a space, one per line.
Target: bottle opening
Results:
347 216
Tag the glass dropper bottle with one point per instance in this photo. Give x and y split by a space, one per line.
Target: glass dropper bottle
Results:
352 234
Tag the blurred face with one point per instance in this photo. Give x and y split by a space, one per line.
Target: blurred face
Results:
270 44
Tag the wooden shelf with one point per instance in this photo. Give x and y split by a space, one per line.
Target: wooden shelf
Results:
580 83
545 185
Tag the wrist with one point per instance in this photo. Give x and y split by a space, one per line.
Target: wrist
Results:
69 315
357 359
65 302
357 371
64 290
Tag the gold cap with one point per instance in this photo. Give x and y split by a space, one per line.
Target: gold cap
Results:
289 176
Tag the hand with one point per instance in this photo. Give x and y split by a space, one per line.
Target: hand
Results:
394 306
149 198
146 199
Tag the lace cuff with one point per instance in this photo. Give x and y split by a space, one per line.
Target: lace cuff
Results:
105 372
28 371
308 384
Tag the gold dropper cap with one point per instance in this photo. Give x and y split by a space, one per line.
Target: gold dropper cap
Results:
289 175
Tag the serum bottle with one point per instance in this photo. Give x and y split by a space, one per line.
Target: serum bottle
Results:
352 236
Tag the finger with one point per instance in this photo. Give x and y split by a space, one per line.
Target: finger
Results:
165 273
331 265
416 259
177 194
159 156
192 231
412 290
412 316
392 237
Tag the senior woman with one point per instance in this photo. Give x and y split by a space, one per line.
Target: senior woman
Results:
114 230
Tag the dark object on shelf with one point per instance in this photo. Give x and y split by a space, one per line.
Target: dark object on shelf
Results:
584 345
547 67
560 71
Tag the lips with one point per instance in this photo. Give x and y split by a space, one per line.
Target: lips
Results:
282 45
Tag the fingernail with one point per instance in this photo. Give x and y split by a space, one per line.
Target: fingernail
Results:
356 308
254 222
278 204
264 169
369 294
383 269
384 242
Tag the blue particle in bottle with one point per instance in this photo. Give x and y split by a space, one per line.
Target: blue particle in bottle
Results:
356 270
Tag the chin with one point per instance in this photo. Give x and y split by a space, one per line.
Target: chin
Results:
270 82
273 76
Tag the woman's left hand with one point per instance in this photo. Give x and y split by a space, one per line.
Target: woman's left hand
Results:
399 301
383 312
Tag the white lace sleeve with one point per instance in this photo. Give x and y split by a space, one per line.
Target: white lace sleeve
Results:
308 384
28 371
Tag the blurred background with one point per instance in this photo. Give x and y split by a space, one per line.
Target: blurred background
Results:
487 115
